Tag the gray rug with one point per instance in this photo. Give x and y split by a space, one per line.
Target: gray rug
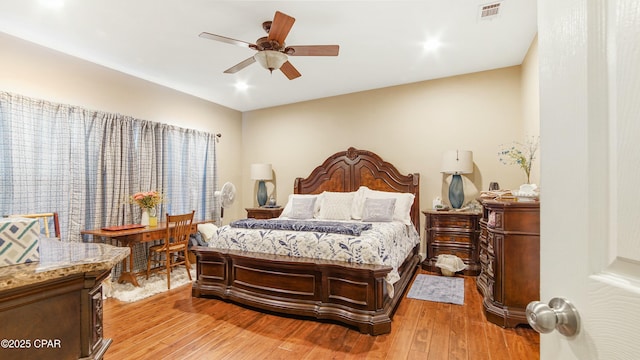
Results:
438 288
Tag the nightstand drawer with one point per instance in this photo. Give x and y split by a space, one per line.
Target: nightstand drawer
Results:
462 253
264 213
449 237
453 222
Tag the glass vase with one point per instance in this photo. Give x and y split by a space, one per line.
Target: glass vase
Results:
153 218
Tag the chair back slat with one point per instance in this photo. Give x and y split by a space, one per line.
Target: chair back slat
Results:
44 217
178 229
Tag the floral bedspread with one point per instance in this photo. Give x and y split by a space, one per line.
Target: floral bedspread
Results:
384 244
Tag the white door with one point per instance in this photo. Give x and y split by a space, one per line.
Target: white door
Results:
589 54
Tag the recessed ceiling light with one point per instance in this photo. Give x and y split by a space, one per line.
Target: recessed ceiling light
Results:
241 86
431 45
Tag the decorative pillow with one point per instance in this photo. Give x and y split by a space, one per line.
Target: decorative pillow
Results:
336 205
303 208
378 210
207 230
404 201
19 240
286 212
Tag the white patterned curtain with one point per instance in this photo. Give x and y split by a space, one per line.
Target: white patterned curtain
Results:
85 164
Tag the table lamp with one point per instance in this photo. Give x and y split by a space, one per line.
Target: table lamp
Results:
457 162
261 172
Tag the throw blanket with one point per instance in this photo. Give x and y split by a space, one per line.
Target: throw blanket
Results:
332 227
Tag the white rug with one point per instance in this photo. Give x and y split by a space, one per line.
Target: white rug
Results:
156 284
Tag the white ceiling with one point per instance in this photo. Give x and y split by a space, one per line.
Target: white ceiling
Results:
381 42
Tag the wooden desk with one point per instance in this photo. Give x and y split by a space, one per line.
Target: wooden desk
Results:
133 236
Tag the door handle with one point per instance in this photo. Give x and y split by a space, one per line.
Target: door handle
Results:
560 314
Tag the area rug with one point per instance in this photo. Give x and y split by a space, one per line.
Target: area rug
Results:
156 284
438 288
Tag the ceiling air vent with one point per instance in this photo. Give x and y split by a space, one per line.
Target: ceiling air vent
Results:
490 11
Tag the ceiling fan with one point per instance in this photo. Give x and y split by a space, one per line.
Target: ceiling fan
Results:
272 52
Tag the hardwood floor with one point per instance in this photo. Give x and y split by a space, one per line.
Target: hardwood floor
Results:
173 325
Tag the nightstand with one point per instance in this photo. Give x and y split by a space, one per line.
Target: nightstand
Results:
454 233
264 212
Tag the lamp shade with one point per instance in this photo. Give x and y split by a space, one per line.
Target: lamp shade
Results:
261 172
457 162
270 59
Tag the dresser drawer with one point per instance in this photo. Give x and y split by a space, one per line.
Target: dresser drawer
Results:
490 242
495 220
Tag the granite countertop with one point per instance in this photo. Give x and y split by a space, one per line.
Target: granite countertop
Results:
59 259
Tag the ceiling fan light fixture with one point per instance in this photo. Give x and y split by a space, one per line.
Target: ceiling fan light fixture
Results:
270 59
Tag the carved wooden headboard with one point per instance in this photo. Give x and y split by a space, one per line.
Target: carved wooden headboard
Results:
347 170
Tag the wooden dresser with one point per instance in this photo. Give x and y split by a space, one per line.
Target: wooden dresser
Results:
510 260
455 233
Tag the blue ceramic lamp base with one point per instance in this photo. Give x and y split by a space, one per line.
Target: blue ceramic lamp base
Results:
262 193
456 192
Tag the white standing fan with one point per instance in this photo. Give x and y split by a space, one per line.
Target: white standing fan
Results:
227 195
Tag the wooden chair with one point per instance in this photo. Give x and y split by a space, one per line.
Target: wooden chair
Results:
45 217
175 246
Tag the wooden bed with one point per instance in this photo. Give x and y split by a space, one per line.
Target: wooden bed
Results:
351 294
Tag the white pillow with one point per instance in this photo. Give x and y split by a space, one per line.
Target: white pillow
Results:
303 208
358 203
336 205
286 212
404 201
207 230
378 210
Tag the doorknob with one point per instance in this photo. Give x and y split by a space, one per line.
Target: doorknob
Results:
559 314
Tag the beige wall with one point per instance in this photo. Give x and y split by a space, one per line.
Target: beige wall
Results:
409 126
38 72
531 102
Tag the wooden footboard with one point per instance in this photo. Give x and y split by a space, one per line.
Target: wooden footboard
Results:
354 295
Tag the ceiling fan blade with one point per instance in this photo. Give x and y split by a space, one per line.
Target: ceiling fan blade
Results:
289 71
280 27
227 40
312 50
241 65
